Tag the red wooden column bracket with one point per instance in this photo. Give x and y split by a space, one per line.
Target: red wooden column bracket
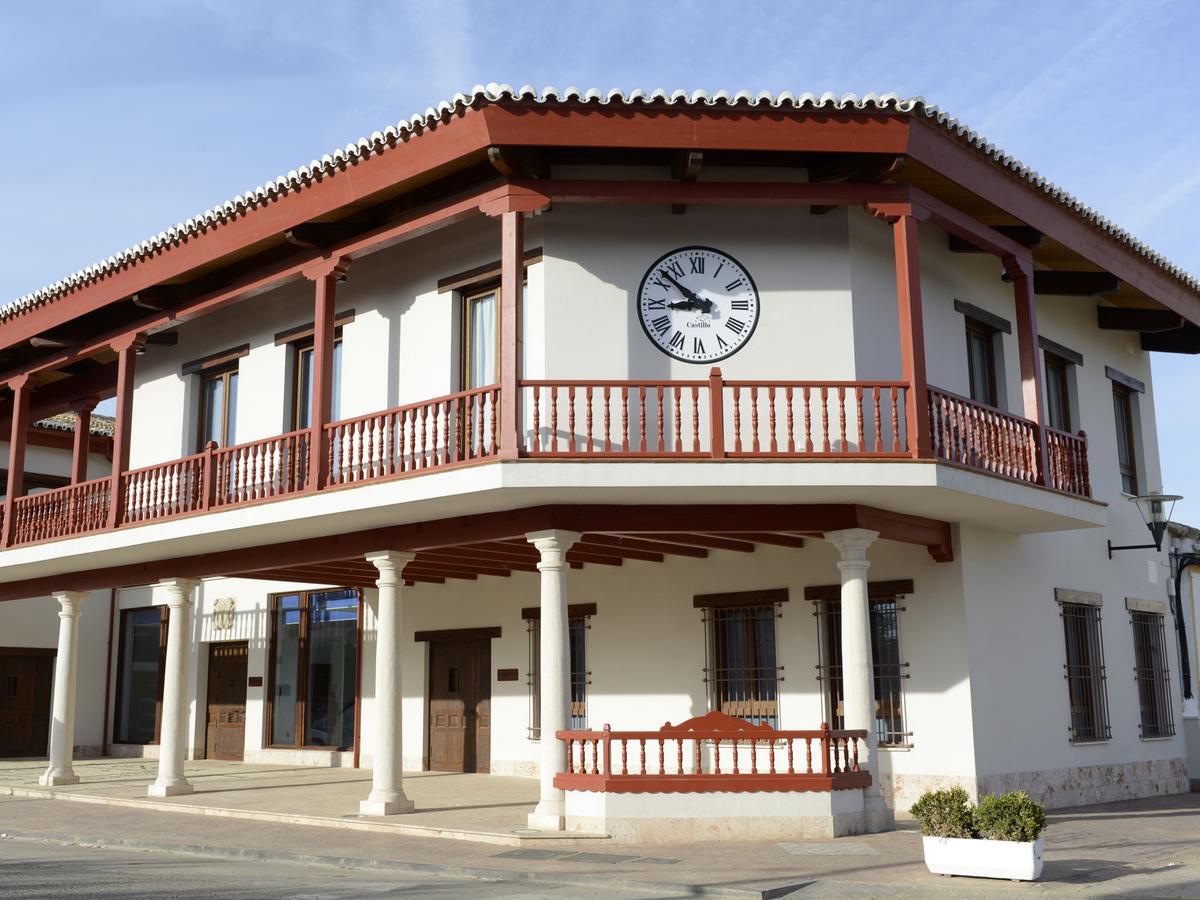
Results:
716 411
904 217
126 347
82 408
21 386
1020 269
511 207
325 274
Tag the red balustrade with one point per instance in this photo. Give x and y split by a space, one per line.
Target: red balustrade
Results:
713 752
163 491
1067 462
436 433
62 512
982 437
261 470
815 418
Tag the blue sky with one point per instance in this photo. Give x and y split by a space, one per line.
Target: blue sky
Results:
120 119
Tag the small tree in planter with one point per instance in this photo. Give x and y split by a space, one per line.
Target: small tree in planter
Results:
1000 838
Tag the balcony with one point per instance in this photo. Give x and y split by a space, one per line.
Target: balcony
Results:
711 420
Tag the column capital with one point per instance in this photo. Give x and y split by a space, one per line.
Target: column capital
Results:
553 545
84 405
514 198
389 563
69 602
26 380
179 590
133 341
892 212
852 543
337 266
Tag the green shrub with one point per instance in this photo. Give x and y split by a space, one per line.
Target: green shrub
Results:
1009 817
945 814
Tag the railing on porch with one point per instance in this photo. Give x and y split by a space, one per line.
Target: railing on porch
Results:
713 752
698 419
714 418
432 434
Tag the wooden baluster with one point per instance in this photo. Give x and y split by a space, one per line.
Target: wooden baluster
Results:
771 419
695 419
754 445
699 760
679 757
483 426
678 445
595 756
735 757
808 442
736 391
862 438
468 436
662 759
842 417
492 445
589 418
896 421
607 419
791 432
661 430
537 421
825 766
753 756
715 743
642 418
624 418
624 757
642 742
877 418
553 392
825 418
771 754
854 746
571 418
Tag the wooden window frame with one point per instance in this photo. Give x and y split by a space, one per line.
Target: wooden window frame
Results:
765 604
579 621
1057 370
298 348
302 673
222 372
163 618
975 328
826 601
475 292
1087 679
1125 436
1152 674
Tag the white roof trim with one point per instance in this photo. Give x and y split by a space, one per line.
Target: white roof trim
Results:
481 95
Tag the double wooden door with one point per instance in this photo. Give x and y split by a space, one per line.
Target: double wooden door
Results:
25 677
460 706
225 736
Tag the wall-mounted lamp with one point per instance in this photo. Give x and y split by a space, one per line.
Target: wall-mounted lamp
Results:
1156 514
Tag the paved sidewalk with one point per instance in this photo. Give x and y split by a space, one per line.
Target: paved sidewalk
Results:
1147 848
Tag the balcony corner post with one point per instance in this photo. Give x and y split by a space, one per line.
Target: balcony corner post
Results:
716 413
1021 271
325 273
21 386
82 408
208 487
512 252
127 348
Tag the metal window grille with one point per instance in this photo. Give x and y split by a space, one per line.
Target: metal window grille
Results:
888 669
1151 673
742 671
1084 671
577 627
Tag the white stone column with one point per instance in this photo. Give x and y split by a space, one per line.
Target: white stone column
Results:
66 664
858 676
173 737
554 672
387 766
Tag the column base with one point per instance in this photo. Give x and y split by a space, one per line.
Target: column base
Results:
395 807
56 777
546 820
169 790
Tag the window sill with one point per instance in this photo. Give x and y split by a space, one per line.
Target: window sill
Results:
1096 743
1158 737
895 748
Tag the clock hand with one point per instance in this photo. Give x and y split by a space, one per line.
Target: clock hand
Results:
682 304
696 301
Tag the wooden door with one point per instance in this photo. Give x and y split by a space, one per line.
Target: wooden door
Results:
460 701
25 677
225 736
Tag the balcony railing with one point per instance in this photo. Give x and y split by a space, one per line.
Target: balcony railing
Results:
559 419
714 752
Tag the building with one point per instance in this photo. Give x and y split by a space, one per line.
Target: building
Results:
803 422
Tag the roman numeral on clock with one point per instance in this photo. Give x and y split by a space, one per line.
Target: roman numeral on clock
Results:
698 346
697 265
733 284
677 340
740 304
662 325
675 267
735 325
656 304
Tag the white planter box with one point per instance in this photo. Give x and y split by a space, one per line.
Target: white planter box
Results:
1015 860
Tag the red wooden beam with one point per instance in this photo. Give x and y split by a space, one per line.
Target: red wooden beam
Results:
701 540
780 540
658 547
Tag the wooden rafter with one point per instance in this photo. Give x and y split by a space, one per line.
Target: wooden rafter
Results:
779 540
652 546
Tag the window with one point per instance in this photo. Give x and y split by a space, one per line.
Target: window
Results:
886 663
1084 671
578 623
1126 445
1150 671
218 407
481 339
1058 393
314 669
981 362
741 667
141 657
303 384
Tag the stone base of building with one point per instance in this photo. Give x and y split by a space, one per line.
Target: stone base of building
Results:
674 818
276 756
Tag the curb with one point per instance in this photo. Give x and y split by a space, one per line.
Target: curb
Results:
479 873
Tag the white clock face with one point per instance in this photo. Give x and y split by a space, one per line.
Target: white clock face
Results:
697 304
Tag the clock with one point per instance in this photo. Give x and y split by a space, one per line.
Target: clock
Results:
697 304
